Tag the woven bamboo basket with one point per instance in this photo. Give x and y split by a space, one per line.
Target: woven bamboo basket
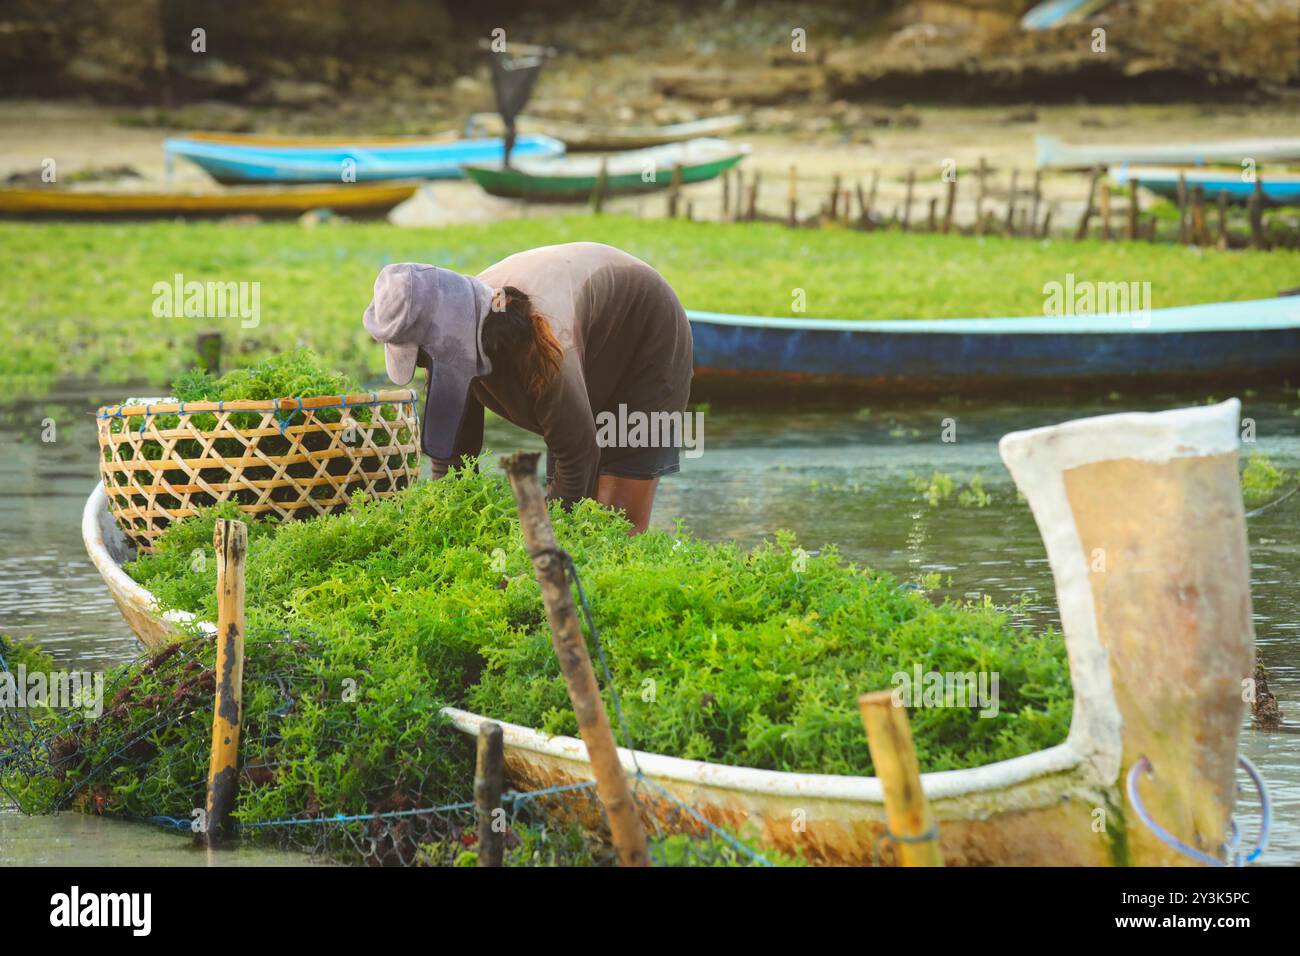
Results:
292 457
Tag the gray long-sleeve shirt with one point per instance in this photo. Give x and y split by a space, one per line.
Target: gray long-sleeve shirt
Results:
626 340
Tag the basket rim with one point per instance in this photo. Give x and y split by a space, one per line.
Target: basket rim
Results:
305 403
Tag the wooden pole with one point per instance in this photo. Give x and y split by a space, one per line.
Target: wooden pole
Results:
602 184
871 198
726 195
1082 231
949 203
835 197
1047 224
230 539
907 200
1009 227
1224 242
907 811
1134 210
571 650
1200 234
675 191
794 197
1182 208
1255 210
932 222
1105 210
740 196
982 173
751 201
1036 201
489 779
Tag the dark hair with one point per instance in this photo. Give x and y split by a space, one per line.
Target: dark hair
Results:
517 334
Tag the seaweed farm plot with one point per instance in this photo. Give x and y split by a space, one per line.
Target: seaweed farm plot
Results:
362 626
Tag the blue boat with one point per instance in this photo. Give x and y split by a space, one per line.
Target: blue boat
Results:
1278 189
1057 13
1253 341
233 163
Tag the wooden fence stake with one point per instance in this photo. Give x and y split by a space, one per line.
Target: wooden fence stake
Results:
1105 210
949 203
1009 227
1082 231
835 197
1182 209
489 779
1133 209
675 192
740 196
907 201
1200 232
571 649
1047 224
1036 201
751 201
1255 210
602 184
932 221
869 208
982 172
726 195
794 197
1224 242
907 811
230 540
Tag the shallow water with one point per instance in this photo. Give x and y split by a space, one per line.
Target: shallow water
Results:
831 473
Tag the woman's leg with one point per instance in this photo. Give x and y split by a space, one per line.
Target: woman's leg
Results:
634 496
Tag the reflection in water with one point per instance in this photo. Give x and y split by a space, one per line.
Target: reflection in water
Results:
830 474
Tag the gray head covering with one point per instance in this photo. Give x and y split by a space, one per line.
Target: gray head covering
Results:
421 308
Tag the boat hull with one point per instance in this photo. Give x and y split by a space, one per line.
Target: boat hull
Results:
229 163
1276 190
1247 340
509 184
359 199
1054 154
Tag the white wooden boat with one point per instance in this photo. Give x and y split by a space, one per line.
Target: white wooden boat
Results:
1052 153
1159 640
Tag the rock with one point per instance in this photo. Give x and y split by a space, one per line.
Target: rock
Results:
211 72
293 93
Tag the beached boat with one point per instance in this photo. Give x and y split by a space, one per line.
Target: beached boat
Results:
1256 341
1057 13
262 163
318 142
570 179
1278 189
352 199
586 137
1161 493
1052 153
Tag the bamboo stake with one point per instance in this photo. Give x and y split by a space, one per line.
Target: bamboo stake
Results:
726 195
230 540
1255 210
1037 199
1200 234
907 201
794 197
489 779
949 203
1224 243
1009 226
871 198
835 197
982 173
675 191
602 183
932 222
1105 210
1182 209
571 650
1047 224
1082 231
846 205
751 210
907 811
740 195
1134 210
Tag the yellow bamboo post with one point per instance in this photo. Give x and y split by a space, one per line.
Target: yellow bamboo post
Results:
230 540
907 811
489 779
571 650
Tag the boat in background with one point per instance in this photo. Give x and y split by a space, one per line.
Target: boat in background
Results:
317 142
352 199
1247 341
570 179
1057 13
1278 189
1054 154
585 137
259 163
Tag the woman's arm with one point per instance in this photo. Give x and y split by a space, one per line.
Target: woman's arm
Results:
469 440
569 428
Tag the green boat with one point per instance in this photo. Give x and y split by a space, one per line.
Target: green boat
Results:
574 179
